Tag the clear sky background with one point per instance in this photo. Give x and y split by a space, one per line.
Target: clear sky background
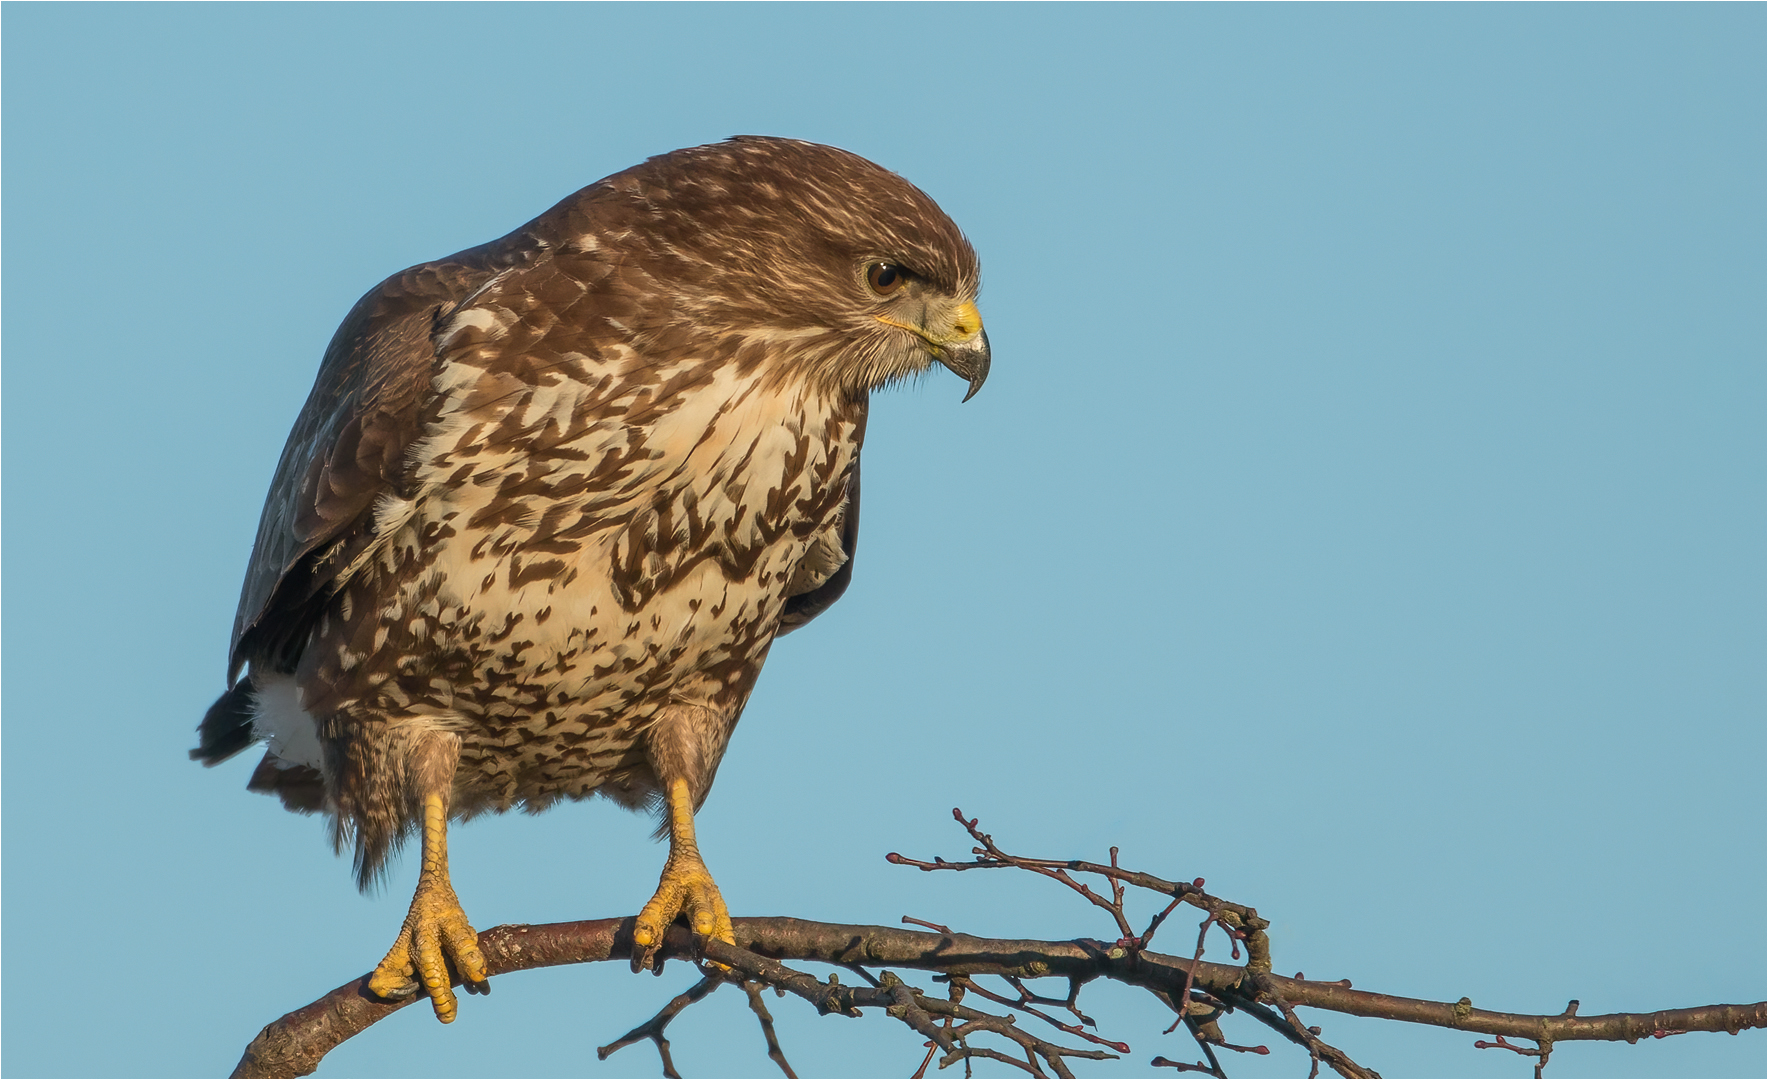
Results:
1365 511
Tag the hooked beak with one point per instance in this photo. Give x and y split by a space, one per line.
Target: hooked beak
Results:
964 348
961 346
967 360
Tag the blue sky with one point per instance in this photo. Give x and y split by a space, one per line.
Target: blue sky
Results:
1365 510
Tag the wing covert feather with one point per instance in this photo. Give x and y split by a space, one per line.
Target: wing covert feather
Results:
805 606
347 448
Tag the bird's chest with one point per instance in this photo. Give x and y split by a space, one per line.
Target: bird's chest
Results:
576 556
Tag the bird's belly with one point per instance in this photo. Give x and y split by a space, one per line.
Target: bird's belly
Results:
574 643
545 596
553 681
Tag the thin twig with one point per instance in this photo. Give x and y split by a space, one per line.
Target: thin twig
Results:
1199 1035
759 1008
1540 1052
911 920
1168 1063
920 1072
1024 1002
900 1001
653 1028
1318 1049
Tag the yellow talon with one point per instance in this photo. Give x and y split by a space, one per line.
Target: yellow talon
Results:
435 931
686 886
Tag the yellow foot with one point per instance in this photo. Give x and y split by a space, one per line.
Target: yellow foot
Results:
686 886
435 932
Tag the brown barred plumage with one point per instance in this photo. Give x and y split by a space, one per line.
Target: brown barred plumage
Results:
551 499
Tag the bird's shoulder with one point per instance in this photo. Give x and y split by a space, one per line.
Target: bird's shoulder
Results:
348 445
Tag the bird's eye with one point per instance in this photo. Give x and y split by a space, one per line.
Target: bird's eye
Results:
886 278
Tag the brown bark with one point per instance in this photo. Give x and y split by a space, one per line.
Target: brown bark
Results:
295 1044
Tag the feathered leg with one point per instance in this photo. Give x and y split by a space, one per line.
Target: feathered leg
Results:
685 743
436 931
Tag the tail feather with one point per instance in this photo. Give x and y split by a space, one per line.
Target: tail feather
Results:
301 788
227 726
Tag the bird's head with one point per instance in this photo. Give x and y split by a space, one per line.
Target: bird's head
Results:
834 269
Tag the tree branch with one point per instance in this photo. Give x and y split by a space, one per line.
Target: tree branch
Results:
1200 991
295 1044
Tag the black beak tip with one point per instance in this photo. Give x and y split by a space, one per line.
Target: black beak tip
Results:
977 362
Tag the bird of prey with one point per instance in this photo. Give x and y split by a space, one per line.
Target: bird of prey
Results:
551 499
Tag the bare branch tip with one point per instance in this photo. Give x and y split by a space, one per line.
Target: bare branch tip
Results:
911 920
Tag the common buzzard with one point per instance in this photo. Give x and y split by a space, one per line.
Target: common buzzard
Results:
551 500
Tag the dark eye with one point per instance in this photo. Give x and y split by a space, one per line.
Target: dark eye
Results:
886 278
